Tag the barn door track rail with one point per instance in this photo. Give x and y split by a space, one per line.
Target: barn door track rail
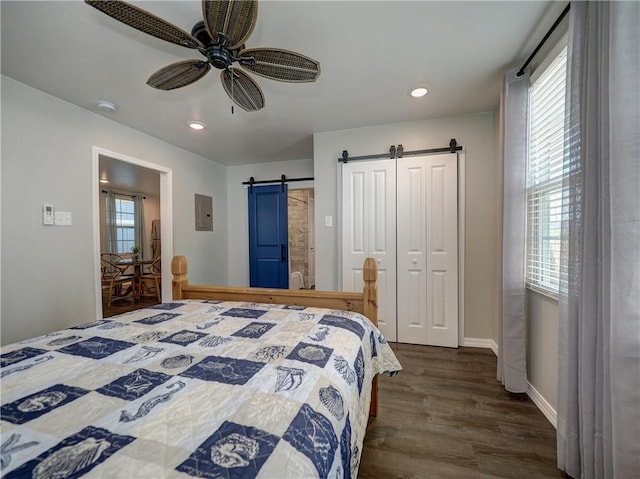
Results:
283 179
398 152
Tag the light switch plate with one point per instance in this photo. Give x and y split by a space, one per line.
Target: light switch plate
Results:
63 218
328 221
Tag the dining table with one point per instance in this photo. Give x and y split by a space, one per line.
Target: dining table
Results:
137 265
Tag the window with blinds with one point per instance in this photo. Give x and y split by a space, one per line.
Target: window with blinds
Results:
544 176
125 224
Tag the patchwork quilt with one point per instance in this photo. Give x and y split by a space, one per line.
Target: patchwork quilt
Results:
193 389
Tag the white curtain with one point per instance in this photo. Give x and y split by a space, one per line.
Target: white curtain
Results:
110 222
512 346
138 208
598 432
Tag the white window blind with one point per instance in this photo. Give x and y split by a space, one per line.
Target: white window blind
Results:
544 176
125 224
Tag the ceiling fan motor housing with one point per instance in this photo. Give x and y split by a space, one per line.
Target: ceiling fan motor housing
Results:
200 31
218 55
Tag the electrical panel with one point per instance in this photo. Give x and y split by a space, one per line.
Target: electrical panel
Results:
204 212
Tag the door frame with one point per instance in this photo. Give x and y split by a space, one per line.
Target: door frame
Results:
462 160
311 248
461 243
166 217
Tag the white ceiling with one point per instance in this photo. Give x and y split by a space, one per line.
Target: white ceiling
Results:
127 177
371 53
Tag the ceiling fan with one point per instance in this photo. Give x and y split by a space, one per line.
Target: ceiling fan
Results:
221 39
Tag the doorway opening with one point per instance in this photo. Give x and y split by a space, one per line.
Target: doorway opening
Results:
132 232
301 228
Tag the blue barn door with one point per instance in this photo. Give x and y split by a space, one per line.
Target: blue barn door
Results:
268 237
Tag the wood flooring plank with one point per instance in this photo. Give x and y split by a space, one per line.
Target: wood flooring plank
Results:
446 416
126 305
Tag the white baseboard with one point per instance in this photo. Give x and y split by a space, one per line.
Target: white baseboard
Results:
481 343
542 404
532 392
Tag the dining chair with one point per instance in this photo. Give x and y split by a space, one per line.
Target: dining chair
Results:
152 273
118 261
114 281
113 257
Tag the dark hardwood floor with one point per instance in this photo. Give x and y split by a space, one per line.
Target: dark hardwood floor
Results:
125 305
446 416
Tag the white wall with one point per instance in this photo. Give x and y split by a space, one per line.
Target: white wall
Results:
48 272
542 346
239 208
476 134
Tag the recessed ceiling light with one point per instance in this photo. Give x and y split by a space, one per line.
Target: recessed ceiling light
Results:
107 106
418 92
196 125
102 180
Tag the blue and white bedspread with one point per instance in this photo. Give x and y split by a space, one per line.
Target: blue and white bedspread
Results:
193 389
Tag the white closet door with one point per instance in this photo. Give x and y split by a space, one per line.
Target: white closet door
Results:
412 254
369 230
428 250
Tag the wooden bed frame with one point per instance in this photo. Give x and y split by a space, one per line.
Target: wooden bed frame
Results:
365 303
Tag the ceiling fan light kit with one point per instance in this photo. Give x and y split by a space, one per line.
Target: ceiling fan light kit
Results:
220 38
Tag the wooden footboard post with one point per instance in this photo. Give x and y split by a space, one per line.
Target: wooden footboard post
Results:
370 276
179 272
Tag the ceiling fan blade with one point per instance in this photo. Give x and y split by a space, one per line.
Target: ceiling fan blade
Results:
145 22
233 18
281 65
245 92
178 74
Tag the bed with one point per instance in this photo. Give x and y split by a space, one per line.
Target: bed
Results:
218 383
